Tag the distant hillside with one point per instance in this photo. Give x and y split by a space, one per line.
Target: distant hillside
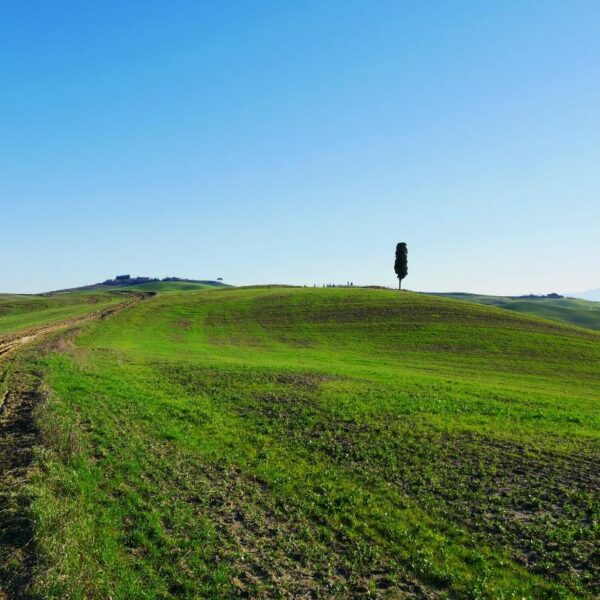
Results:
172 286
150 284
593 295
574 311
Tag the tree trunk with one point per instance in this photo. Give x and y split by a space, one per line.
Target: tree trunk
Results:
399 283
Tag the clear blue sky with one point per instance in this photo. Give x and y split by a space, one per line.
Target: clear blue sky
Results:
298 142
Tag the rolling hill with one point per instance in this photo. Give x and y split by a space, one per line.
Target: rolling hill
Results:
285 442
583 313
125 282
19 312
169 286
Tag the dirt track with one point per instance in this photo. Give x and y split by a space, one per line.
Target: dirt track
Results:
18 436
11 342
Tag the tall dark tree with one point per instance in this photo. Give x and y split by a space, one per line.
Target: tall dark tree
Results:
401 264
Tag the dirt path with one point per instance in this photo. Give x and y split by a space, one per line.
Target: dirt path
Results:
18 437
14 341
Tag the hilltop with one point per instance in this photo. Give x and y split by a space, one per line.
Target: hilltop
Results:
574 311
148 284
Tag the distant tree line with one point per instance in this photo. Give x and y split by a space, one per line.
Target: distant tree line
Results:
538 296
128 280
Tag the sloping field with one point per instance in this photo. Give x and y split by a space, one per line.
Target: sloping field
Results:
317 443
19 312
582 313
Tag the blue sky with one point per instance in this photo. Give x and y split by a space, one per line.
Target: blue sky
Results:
297 142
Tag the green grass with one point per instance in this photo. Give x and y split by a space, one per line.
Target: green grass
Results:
582 313
333 442
168 286
19 312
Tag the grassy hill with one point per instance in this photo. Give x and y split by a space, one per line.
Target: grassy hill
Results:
326 442
168 286
582 313
147 284
19 312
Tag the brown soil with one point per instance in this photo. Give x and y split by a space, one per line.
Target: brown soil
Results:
18 438
18 435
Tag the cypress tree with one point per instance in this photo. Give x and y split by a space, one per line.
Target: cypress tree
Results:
401 264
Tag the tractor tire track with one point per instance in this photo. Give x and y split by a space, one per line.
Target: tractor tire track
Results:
14 341
18 437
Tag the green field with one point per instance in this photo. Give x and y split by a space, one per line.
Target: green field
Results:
582 313
168 286
317 443
20 312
